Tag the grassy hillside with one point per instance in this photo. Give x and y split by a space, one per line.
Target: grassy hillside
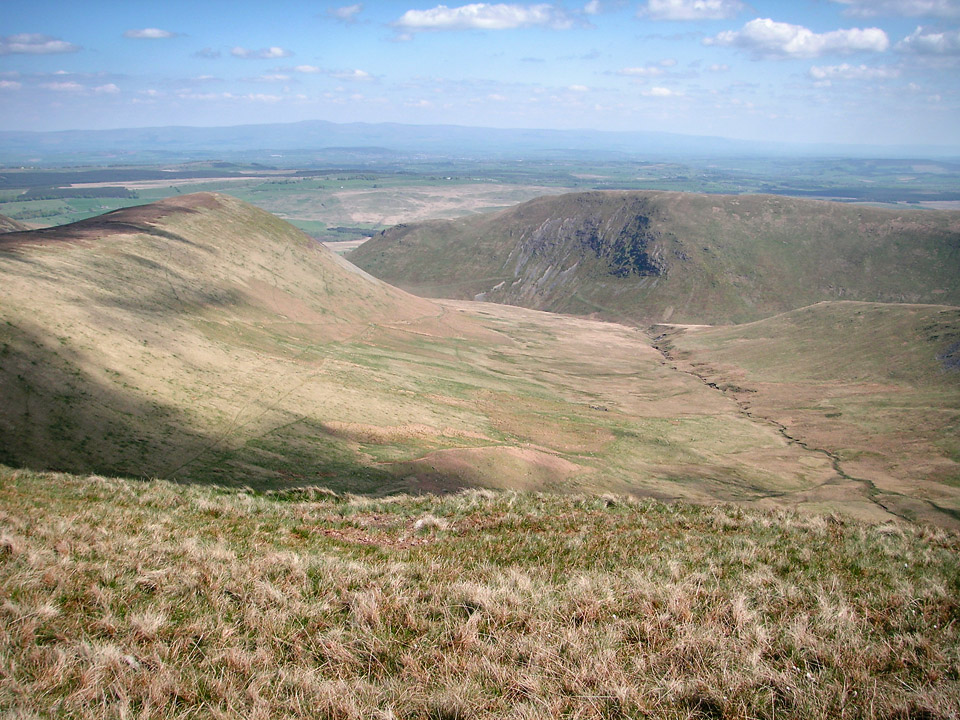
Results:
646 257
131 599
875 385
204 340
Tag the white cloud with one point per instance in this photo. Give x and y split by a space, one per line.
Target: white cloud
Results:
719 67
691 9
927 42
347 13
150 34
250 97
853 72
207 53
766 38
579 88
270 77
310 69
645 72
63 86
912 8
661 92
485 16
34 44
592 8
260 97
270 53
355 75
9 85
108 89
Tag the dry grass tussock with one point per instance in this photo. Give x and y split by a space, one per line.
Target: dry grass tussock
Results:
151 600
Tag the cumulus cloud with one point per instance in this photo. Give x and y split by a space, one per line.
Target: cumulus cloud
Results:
578 88
34 44
347 13
592 8
10 85
270 53
309 69
149 34
207 53
911 8
485 16
108 89
927 42
691 9
767 38
853 72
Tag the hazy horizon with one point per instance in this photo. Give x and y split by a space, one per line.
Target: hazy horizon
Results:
843 72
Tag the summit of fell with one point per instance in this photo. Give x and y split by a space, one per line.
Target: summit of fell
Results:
646 257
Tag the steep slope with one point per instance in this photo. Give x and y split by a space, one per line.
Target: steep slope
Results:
649 257
877 386
139 340
8 225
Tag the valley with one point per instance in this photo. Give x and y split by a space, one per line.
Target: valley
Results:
203 340
241 475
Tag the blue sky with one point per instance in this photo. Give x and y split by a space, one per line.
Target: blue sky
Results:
845 71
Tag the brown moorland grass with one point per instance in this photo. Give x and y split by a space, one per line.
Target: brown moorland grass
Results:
123 598
875 385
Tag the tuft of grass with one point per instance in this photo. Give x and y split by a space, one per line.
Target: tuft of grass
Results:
123 598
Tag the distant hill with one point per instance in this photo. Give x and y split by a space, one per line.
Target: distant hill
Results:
647 257
8 225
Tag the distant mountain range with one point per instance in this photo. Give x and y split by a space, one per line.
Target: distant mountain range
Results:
153 143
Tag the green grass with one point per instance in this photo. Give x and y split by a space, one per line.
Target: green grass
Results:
149 599
646 257
864 381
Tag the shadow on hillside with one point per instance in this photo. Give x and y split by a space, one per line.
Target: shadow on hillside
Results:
60 409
